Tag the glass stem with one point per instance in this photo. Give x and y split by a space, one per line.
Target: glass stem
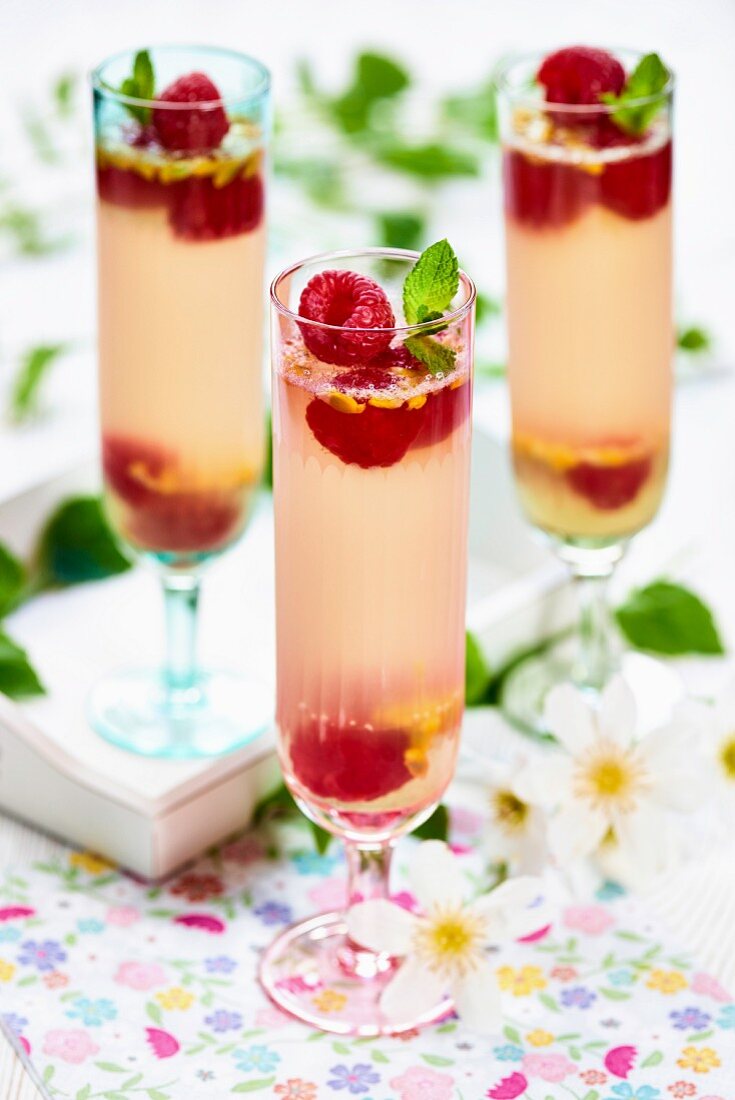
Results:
368 877
595 658
181 595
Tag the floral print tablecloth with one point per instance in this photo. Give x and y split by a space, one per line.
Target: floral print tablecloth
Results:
119 991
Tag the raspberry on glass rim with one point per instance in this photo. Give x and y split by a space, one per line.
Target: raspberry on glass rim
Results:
580 75
349 301
196 129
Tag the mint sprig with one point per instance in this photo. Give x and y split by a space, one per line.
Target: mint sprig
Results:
140 84
428 291
647 81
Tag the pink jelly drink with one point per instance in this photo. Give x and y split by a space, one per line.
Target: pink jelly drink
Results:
587 185
181 237
371 465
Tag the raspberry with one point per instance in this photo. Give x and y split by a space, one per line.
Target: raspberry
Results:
639 186
199 211
128 188
349 763
609 487
445 411
198 129
580 75
544 193
373 437
350 301
173 522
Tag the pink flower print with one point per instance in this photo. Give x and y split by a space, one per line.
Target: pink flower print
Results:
162 1043
140 976
564 973
406 900
55 980
620 1060
592 919
593 1077
72 1045
270 1016
549 1067
122 916
330 893
205 921
422 1083
466 822
296 984
508 1088
710 987
246 850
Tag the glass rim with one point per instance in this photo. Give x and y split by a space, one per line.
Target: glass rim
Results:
523 97
375 253
260 89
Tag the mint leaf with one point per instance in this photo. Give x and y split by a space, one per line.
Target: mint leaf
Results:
400 229
486 307
693 339
435 827
280 804
477 673
476 112
34 367
647 80
25 229
140 85
320 178
436 357
77 545
667 618
432 283
376 78
63 93
18 678
12 580
431 162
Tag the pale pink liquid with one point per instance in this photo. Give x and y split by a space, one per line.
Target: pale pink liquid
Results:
370 602
590 338
181 395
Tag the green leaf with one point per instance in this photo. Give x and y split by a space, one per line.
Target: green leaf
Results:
476 112
77 545
156 1094
110 1067
615 994
477 673
436 357
437 1060
131 1081
83 1093
48 1073
139 85
12 580
490 370
432 282
647 81
153 1012
511 1034
321 179
432 161
548 1000
340 1048
321 837
34 368
268 465
25 229
378 1056
400 229
693 339
653 1059
63 92
18 678
253 1086
376 78
593 1094
486 307
435 827
670 619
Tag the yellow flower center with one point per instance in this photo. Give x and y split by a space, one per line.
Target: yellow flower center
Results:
450 941
509 812
727 756
610 777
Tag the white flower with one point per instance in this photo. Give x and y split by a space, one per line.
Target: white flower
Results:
610 793
716 726
515 829
445 949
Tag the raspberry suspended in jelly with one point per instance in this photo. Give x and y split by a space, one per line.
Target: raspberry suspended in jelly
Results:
609 487
161 518
372 437
349 763
580 75
445 411
351 302
190 130
638 186
542 192
200 211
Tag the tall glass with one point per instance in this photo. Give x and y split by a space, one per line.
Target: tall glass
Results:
589 263
181 241
371 498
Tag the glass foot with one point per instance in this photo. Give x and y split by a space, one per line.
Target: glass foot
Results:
655 685
312 972
219 713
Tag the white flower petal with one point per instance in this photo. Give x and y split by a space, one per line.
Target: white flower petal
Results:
618 716
477 1000
570 718
511 896
381 925
643 844
575 831
435 876
545 781
413 991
